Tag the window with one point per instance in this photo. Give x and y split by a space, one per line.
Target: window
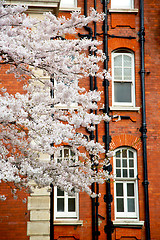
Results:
126 189
123 4
68 4
123 90
65 205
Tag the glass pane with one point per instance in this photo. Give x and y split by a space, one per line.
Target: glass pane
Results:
131 163
118 73
60 153
124 153
118 153
66 152
118 61
130 189
122 92
120 205
127 74
118 172
127 61
60 205
121 4
125 173
72 153
124 162
71 205
59 192
119 189
131 172
131 205
130 154
118 162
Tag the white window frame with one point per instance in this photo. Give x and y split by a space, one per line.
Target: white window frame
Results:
126 215
66 215
116 4
123 53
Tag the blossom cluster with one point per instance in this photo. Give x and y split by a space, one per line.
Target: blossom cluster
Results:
37 123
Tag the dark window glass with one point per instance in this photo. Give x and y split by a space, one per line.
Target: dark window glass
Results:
71 205
60 205
120 205
119 189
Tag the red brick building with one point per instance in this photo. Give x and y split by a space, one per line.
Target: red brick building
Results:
134 212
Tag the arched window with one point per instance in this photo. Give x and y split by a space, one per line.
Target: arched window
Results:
66 206
123 77
126 187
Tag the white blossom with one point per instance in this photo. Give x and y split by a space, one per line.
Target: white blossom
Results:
32 123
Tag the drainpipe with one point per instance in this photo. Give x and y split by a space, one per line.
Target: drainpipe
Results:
108 197
143 128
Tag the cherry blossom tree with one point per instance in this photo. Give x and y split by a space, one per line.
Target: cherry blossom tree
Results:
54 109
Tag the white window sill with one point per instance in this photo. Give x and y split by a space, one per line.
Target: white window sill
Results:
128 223
70 9
125 108
118 10
68 222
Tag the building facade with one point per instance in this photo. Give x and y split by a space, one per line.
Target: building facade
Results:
128 207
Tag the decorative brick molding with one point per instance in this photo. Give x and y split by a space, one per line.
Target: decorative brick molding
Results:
126 140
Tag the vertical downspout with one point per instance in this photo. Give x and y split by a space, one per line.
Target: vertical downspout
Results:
143 128
51 185
107 197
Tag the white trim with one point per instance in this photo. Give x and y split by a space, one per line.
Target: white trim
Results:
66 215
68 222
118 10
125 108
128 222
126 215
132 81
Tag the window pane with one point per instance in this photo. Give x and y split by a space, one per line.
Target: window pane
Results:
127 61
60 205
118 172
118 162
124 162
118 73
118 61
130 154
118 154
66 152
71 205
119 189
120 205
124 153
125 173
67 3
130 189
122 92
72 153
59 192
131 163
121 4
127 74
131 172
131 205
